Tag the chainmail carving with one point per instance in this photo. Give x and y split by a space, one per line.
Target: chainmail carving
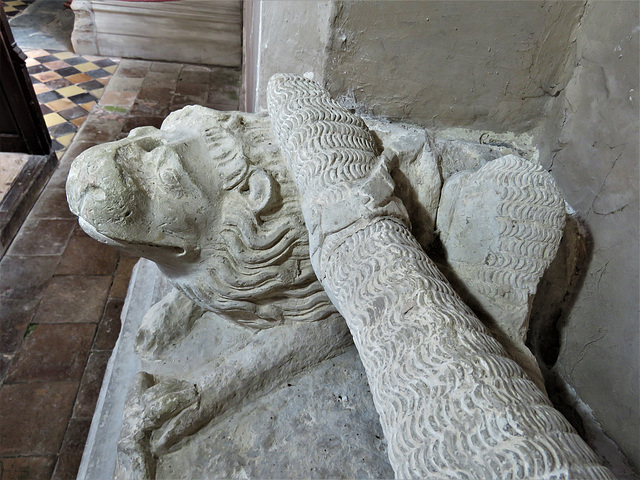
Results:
451 404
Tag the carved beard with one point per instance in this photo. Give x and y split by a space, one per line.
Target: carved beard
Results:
256 269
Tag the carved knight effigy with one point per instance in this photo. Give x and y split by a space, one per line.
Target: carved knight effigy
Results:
267 227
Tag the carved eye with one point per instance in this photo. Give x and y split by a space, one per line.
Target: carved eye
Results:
148 143
169 179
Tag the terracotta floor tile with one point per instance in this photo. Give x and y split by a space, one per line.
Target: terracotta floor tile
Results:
33 417
59 177
26 277
79 78
15 317
222 98
100 131
223 107
147 108
160 79
52 204
109 326
73 113
118 98
132 71
78 121
72 448
42 237
47 76
119 83
76 149
58 83
56 65
196 89
79 232
73 299
193 74
41 88
23 468
224 77
52 353
184 100
61 104
133 63
162 95
122 276
36 53
90 385
86 256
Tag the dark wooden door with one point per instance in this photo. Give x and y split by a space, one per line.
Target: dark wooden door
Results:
22 127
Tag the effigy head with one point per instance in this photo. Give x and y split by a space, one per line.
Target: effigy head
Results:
144 194
209 199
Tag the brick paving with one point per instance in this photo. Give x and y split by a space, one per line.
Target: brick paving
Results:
61 293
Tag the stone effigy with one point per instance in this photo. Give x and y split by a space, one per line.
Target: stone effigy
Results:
246 261
501 226
450 401
209 198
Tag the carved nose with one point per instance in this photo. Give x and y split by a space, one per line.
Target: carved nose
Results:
96 187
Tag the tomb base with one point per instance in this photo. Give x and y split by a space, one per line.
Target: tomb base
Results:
319 424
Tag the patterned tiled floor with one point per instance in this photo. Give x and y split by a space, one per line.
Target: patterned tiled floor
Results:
61 292
15 7
67 86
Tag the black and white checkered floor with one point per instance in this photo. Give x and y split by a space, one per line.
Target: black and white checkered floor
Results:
15 7
67 86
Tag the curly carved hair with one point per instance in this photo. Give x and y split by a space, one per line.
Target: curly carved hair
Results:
256 268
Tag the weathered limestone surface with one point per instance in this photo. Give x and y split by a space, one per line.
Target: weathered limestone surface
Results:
321 423
247 359
327 408
247 261
449 400
570 67
501 227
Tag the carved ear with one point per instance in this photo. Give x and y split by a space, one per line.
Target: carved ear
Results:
261 190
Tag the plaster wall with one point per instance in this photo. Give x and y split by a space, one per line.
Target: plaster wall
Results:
590 144
485 65
488 65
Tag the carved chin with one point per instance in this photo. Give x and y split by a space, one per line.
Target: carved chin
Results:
140 248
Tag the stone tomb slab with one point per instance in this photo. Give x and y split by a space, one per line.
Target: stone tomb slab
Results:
328 409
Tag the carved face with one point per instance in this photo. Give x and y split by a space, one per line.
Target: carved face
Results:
145 193
209 199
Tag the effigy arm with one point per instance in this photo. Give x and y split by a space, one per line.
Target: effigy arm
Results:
451 404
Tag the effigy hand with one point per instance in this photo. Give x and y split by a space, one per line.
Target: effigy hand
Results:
149 405
161 413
